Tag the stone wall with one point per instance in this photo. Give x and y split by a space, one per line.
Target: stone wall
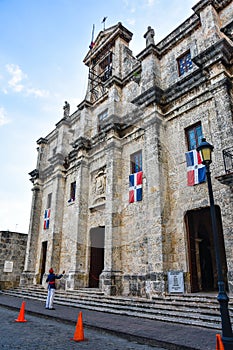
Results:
12 256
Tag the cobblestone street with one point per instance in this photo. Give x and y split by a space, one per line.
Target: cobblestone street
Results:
41 333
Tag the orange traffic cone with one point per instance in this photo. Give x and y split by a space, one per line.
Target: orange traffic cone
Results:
79 332
21 314
219 343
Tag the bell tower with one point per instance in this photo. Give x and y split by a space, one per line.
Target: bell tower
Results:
103 60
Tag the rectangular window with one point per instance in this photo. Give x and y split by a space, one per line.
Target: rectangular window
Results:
136 162
185 63
49 200
72 192
47 211
194 136
101 118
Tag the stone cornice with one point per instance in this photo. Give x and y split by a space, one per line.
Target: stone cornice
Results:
220 4
150 50
71 157
184 85
63 121
84 104
220 51
34 175
217 4
178 34
154 94
226 179
57 159
42 140
228 30
82 143
224 82
46 172
114 80
164 97
111 124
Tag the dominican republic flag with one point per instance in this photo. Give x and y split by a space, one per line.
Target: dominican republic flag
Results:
195 169
135 187
46 218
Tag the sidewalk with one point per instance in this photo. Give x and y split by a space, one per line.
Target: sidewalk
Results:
167 335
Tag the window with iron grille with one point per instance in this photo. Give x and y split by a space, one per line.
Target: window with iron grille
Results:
185 63
136 162
194 136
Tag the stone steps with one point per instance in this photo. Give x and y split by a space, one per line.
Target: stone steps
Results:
196 310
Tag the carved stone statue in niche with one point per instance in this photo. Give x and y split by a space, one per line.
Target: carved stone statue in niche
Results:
99 186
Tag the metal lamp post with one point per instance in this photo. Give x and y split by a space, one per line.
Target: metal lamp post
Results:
227 337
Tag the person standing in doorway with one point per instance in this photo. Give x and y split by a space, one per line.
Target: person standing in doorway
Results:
51 288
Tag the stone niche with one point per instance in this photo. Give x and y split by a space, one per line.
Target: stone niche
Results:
99 187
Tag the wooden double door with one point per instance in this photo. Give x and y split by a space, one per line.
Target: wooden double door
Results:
201 250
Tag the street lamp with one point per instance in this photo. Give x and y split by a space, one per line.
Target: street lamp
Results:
227 337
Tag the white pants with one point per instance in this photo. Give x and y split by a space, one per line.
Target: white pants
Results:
50 297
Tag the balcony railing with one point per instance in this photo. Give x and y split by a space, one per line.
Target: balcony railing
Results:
228 159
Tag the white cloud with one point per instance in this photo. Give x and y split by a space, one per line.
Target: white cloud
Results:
3 117
15 83
131 21
150 2
37 92
17 76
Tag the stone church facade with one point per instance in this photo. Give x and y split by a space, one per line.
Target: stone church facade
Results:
140 115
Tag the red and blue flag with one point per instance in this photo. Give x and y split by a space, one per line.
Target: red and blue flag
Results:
196 172
135 187
46 218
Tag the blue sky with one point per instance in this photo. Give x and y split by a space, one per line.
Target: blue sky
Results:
42 47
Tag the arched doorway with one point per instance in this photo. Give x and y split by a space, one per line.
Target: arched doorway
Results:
201 251
96 256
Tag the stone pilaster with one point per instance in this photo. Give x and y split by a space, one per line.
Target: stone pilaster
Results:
57 213
210 23
78 273
155 187
29 274
110 279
